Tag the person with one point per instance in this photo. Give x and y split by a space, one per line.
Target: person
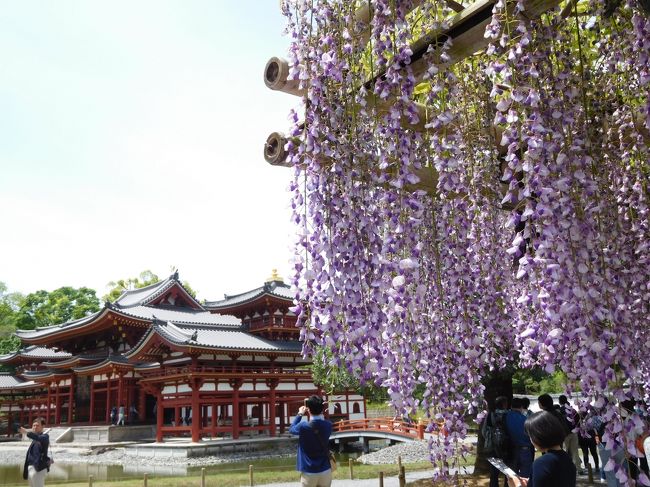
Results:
493 431
571 443
587 442
525 406
133 414
313 461
523 452
113 416
37 463
120 415
545 403
555 467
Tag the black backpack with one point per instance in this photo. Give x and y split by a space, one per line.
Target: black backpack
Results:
495 434
561 414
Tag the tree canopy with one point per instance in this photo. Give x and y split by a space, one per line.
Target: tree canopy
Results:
43 308
144 279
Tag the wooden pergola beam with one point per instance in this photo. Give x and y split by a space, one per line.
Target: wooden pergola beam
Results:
466 31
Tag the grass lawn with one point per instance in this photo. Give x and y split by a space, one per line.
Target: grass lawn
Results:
237 478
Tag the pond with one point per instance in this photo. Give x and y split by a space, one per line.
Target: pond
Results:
62 472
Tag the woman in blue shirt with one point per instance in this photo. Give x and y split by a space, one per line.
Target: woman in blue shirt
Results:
555 467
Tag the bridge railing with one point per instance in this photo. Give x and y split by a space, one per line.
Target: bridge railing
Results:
382 425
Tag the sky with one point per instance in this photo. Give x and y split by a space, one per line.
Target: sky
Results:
131 139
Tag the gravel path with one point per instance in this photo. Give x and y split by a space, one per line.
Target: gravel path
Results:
15 454
415 451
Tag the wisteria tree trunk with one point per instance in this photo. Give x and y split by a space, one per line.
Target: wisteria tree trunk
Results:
498 383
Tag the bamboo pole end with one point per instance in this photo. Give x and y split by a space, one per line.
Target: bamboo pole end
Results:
274 152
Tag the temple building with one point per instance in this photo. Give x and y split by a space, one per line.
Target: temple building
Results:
218 369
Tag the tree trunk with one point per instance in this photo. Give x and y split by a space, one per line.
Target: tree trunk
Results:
498 383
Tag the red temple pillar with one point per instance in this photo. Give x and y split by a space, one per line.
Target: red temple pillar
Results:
272 412
108 398
160 411
214 419
142 406
49 403
196 411
120 391
91 417
10 420
57 407
22 415
235 410
71 399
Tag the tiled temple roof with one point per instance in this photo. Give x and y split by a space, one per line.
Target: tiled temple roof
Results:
276 289
34 352
145 295
9 382
216 338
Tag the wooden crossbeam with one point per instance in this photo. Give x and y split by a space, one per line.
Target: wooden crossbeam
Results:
466 32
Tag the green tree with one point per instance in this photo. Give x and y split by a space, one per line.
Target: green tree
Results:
43 308
334 377
118 287
9 304
144 279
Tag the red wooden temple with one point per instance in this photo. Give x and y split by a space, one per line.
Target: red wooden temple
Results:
217 369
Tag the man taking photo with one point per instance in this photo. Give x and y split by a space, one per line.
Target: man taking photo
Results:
313 436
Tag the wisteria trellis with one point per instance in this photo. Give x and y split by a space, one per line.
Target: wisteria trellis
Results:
533 247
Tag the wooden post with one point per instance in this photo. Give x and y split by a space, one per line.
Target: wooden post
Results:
57 408
159 415
142 407
120 394
420 430
250 475
590 474
144 481
402 477
203 477
235 412
381 479
399 462
108 398
49 403
351 469
197 418
71 399
272 407
91 416
90 481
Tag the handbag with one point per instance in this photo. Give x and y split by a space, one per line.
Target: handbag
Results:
330 454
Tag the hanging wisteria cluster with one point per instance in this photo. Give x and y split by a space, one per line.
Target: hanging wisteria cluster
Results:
480 212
